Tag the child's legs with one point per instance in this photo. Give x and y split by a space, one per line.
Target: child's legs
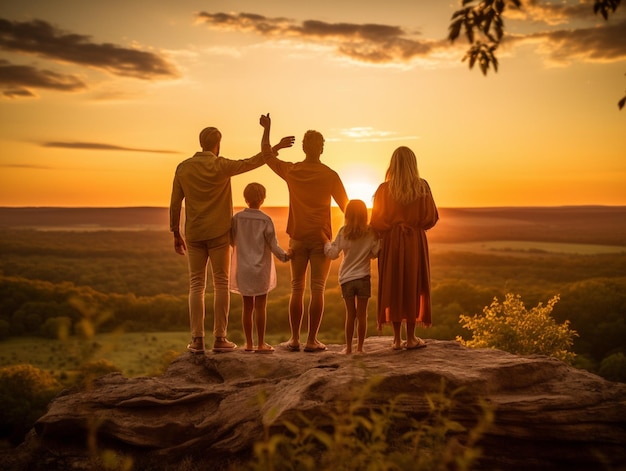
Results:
260 304
350 318
246 320
361 318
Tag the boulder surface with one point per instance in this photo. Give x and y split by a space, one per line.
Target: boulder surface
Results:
214 407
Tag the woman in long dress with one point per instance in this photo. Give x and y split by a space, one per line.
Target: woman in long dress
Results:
403 210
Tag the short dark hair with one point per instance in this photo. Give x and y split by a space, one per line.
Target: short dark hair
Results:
209 137
254 193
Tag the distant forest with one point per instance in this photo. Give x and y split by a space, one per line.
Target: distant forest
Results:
100 279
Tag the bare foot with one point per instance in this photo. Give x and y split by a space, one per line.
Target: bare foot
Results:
265 348
315 347
414 344
346 351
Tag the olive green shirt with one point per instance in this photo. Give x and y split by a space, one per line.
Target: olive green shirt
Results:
203 181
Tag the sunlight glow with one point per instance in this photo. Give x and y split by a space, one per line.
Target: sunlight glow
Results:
361 190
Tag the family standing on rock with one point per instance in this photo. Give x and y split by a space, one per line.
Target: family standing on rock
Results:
402 211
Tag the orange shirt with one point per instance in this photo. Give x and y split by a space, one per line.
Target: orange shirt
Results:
311 186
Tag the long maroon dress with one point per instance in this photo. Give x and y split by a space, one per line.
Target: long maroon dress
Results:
403 260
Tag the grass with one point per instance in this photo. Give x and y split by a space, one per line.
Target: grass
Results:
134 354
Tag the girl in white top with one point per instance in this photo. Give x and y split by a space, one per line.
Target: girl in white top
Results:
253 273
359 245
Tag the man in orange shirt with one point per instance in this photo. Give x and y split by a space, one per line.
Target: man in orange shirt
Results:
311 185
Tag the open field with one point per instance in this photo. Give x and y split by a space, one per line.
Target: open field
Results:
121 266
588 225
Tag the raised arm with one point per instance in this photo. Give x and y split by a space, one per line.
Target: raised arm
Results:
285 142
266 122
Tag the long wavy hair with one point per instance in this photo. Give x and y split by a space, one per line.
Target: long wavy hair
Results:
403 176
355 225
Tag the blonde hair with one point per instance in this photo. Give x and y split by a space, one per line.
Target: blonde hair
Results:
254 193
403 176
355 225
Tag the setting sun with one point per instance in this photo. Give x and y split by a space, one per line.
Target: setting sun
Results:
361 190
361 182
99 113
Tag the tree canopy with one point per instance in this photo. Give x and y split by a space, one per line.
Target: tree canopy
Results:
482 23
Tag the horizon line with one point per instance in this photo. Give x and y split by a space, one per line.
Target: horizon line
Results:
590 205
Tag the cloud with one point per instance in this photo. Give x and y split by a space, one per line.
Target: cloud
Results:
369 134
27 166
603 43
42 39
373 43
16 80
551 13
99 146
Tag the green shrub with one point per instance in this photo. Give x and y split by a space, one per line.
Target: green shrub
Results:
25 392
613 367
512 328
365 433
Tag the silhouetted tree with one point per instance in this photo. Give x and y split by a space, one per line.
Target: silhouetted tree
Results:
482 22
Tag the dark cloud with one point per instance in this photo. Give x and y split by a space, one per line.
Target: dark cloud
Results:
27 166
99 146
603 43
552 13
374 43
42 39
18 93
17 80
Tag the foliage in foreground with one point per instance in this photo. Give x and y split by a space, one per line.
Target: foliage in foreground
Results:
25 392
357 435
509 326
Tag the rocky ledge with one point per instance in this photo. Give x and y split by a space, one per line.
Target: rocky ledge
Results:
547 415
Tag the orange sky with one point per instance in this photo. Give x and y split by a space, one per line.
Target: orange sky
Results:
99 101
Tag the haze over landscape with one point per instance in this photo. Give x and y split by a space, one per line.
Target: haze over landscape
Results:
100 101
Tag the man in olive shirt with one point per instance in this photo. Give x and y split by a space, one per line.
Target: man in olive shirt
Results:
203 181
311 185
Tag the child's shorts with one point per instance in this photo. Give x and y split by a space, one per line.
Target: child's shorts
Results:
361 288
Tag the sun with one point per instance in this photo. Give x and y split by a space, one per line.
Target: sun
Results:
360 189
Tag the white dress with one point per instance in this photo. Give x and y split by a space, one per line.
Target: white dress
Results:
254 240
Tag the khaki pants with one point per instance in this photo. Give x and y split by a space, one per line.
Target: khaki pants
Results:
217 251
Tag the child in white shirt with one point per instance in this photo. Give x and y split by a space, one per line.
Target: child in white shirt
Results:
253 273
359 245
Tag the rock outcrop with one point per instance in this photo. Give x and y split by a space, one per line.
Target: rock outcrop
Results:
547 415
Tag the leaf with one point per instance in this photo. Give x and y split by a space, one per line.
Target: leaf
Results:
472 60
455 29
621 103
458 13
469 31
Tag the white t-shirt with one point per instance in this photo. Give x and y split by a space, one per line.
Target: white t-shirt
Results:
357 255
254 240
